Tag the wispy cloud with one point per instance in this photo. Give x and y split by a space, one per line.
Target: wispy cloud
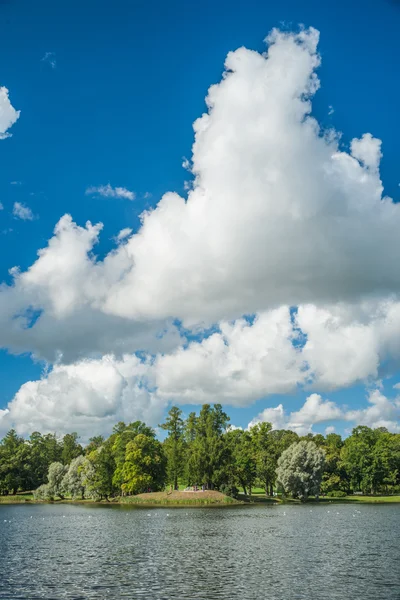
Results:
20 211
1 206
15 182
50 59
124 233
107 191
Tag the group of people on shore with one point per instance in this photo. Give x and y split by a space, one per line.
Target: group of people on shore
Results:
195 488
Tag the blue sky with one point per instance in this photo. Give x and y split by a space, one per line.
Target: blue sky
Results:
108 93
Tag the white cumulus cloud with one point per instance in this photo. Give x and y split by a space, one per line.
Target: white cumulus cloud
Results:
380 412
278 215
8 114
89 397
238 364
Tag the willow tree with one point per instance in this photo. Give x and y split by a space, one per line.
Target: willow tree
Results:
300 469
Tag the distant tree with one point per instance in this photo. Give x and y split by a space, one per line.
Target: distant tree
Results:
54 488
14 472
73 482
122 435
191 459
70 448
243 457
300 469
265 454
386 459
335 476
209 454
43 450
144 466
94 442
98 472
357 457
174 445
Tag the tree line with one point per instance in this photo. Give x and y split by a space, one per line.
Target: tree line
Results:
200 450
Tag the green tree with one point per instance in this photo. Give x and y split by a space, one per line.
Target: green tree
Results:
14 472
191 462
94 442
70 448
243 459
55 478
266 455
74 479
174 445
43 450
335 476
98 471
209 450
300 469
122 435
357 457
144 466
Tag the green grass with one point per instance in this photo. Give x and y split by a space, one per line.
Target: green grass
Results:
155 502
259 497
163 499
178 498
364 499
17 499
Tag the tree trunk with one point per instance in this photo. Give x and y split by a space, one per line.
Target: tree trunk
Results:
175 482
250 492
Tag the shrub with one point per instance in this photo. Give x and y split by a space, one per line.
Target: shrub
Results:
229 490
336 494
43 492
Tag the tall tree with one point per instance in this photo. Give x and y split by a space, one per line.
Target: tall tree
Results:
266 455
70 448
14 473
98 471
209 448
174 445
358 460
243 459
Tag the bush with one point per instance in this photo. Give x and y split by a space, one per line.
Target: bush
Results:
229 490
336 494
43 492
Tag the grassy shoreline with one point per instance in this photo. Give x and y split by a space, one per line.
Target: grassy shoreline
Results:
198 499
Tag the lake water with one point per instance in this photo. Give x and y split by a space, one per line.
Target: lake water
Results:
273 552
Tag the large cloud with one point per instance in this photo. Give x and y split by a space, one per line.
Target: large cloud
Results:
88 397
278 214
237 365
